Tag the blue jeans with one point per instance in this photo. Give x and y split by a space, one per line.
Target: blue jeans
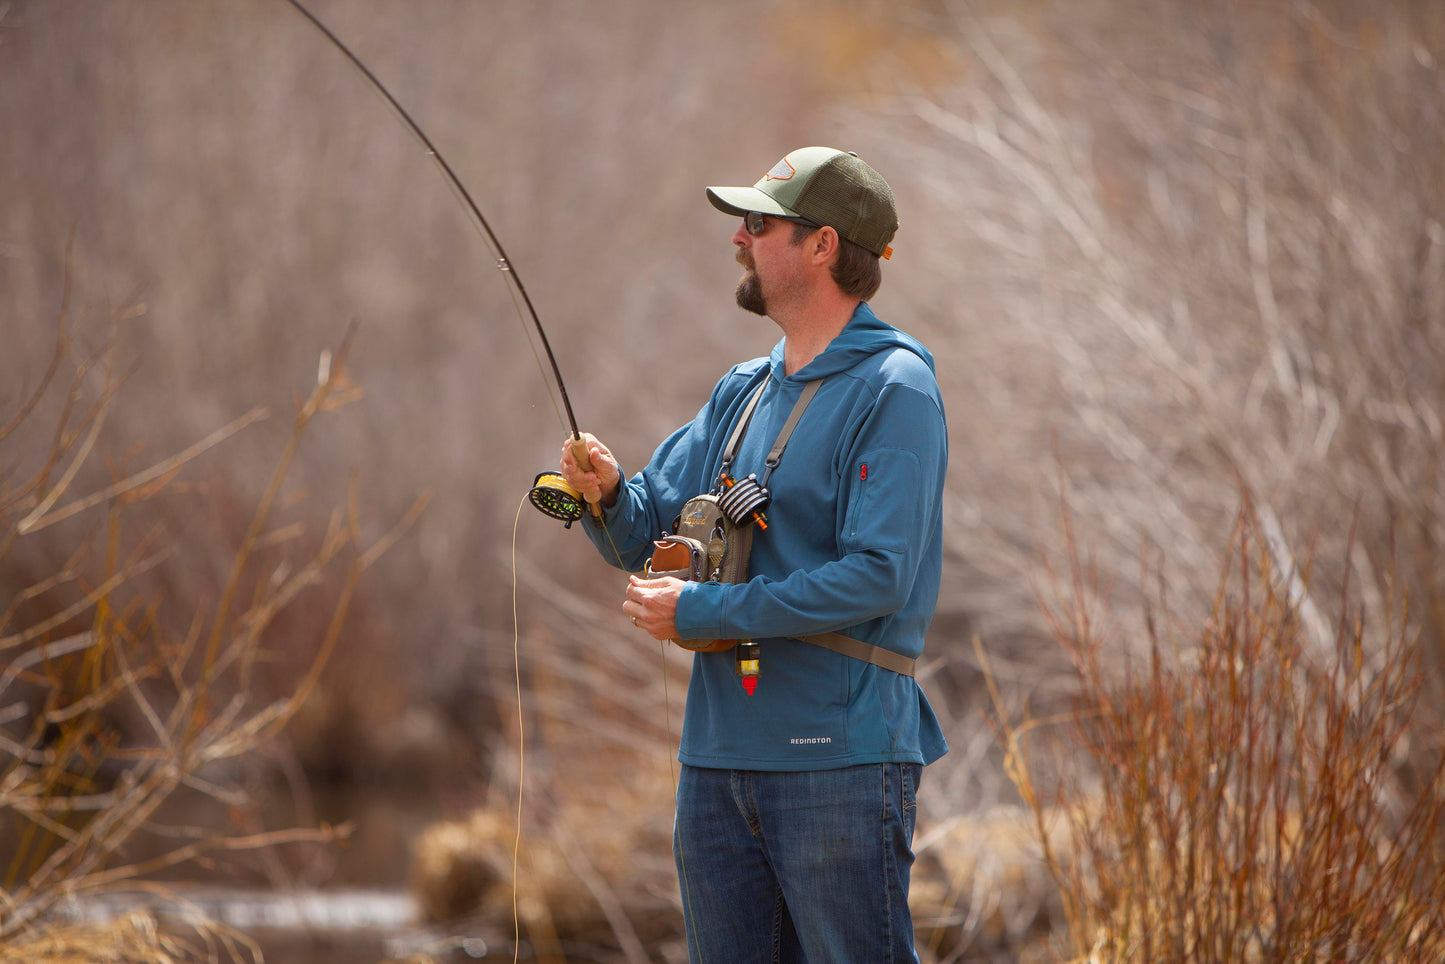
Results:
809 866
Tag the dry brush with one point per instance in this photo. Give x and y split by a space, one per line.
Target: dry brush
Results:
114 700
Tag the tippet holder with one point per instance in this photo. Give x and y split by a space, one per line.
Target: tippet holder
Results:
744 500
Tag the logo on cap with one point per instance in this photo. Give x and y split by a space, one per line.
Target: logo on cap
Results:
781 171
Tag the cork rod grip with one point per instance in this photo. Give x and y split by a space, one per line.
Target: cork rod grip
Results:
584 461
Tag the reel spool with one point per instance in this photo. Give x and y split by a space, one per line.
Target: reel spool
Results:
554 497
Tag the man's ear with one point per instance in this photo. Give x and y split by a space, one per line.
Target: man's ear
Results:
824 244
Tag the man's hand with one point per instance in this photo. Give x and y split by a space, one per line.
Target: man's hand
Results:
603 482
652 604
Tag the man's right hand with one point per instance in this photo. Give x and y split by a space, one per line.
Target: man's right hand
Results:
603 482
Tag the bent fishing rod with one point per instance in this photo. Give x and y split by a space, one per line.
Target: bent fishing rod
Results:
550 492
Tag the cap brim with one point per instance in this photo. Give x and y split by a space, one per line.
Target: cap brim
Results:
738 201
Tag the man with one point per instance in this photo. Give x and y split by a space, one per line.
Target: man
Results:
795 803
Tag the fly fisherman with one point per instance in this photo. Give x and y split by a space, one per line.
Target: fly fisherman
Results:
802 747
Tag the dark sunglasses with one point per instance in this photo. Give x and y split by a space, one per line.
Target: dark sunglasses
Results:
756 224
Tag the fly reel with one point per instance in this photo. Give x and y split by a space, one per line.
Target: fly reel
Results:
554 497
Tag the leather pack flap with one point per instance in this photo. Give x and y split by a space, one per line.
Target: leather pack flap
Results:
670 556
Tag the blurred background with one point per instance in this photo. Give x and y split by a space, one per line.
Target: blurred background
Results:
1171 257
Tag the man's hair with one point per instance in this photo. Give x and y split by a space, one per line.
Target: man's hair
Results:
857 272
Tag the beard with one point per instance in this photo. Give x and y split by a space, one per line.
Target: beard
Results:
750 289
750 295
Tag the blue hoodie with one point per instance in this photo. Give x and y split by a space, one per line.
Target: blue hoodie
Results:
853 545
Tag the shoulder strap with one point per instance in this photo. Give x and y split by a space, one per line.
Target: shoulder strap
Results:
867 652
775 455
742 426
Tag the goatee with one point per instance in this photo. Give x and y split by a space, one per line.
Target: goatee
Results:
750 295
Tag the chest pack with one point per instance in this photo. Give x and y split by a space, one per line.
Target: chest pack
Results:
713 537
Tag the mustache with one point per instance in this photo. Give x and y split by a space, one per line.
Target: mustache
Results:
744 258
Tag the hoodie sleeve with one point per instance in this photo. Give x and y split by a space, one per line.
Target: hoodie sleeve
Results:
679 469
889 521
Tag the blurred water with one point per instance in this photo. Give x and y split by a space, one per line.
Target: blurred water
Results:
315 927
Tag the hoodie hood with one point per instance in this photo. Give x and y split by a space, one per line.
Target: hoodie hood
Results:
864 335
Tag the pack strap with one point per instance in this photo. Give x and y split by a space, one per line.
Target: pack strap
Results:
742 426
775 455
867 652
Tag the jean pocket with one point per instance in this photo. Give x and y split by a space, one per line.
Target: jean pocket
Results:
909 775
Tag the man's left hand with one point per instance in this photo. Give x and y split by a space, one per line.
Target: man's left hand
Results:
652 604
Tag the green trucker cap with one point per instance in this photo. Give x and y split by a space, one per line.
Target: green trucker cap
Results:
825 186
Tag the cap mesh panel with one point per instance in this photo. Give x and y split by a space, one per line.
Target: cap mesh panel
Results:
847 194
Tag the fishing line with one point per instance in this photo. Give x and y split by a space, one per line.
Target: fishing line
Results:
521 742
550 492
521 737
672 771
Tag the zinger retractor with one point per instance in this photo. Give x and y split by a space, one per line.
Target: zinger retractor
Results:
554 497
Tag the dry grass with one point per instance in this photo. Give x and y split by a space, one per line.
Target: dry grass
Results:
108 712
1241 797
134 939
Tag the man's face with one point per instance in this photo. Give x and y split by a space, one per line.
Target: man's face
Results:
771 249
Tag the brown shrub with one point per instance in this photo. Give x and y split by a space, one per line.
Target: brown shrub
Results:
1240 797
